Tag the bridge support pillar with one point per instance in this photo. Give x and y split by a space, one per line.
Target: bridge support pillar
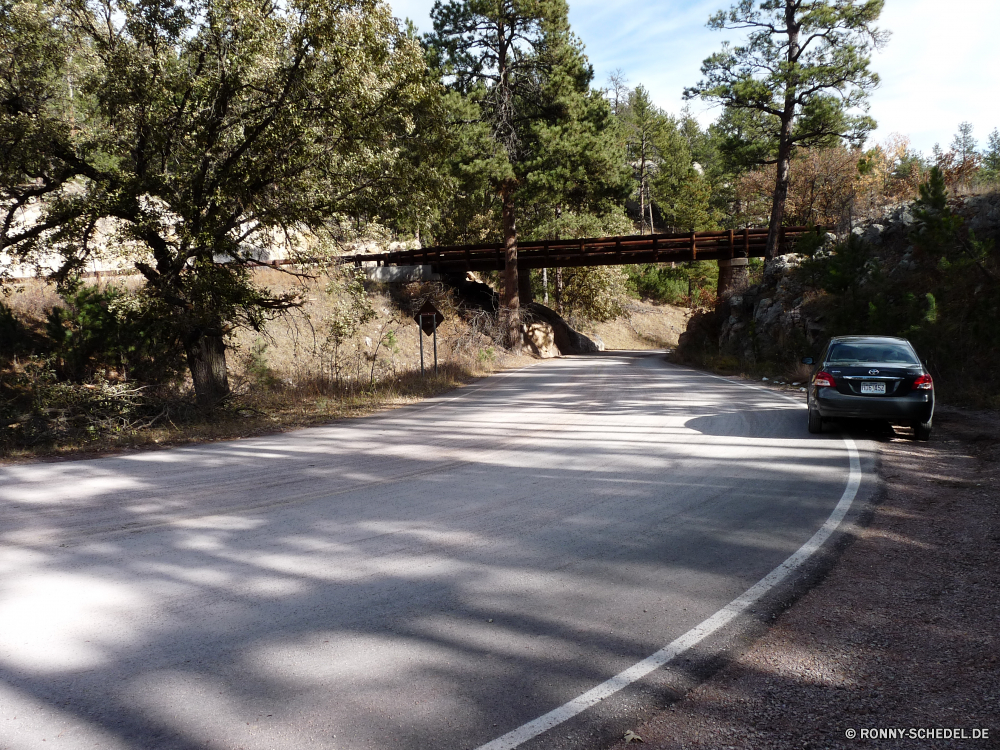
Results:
733 275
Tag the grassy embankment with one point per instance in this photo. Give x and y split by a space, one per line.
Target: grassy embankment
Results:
295 373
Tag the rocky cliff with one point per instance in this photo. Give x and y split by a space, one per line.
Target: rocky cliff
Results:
787 312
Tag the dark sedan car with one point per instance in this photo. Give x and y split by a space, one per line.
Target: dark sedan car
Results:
871 377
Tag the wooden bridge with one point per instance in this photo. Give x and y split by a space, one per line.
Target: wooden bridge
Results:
602 251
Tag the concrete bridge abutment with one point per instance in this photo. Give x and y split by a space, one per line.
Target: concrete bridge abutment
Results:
733 275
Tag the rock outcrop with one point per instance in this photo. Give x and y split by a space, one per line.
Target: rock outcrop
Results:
564 338
544 331
776 315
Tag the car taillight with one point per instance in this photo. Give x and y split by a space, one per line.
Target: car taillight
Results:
924 383
823 380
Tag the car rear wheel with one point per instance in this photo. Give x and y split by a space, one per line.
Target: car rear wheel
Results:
815 422
921 430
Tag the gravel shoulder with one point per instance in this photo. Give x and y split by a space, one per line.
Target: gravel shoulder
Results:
902 633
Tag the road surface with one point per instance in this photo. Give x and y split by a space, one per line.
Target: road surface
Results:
437 576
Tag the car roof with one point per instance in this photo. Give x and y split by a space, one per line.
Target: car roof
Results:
870 338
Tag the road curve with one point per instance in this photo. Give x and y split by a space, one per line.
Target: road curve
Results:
432 577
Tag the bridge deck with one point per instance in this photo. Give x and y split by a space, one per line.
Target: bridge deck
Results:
602 251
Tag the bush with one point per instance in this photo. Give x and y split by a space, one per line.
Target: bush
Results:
15 338
596 293
37 408
112 333
686 284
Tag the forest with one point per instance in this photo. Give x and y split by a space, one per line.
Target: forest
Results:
187 141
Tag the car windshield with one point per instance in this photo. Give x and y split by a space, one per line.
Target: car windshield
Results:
872 352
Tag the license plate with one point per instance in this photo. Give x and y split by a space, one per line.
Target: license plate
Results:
873 387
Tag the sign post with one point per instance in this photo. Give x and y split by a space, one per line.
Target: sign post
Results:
428 319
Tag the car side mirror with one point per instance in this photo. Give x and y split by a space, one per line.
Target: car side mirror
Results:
808 360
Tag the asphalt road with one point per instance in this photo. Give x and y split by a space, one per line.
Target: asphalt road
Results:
433 577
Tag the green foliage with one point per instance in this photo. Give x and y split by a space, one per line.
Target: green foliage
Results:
645 127
596 293
964 144
101 331
682 284
801 79
936 226
525 127
745 139
946 302
257 371
658 283
686 201
352 309
802 63
198 133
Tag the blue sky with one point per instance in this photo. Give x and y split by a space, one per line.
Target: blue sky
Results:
941 66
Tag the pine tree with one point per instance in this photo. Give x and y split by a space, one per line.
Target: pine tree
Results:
964 145
644 123
991 156
495 53
543 137
804 67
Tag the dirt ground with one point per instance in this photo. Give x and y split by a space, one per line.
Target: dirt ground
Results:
648 326
903 633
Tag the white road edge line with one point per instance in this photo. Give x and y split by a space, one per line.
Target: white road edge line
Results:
720 619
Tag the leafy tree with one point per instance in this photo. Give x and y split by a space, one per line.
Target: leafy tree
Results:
804 68
596 292
193 135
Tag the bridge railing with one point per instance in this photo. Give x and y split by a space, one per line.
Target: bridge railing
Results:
648 248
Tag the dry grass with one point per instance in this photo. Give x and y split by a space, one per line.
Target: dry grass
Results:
30 299
267 411
647 326
289 375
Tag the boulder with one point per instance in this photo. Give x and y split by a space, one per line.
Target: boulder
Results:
540 338
566 339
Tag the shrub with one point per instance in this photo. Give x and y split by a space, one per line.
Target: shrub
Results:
688 284
111 332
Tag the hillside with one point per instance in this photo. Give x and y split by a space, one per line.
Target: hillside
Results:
927 270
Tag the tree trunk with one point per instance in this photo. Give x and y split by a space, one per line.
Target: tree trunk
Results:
792 27
780 197
642 203
511 299
206 356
